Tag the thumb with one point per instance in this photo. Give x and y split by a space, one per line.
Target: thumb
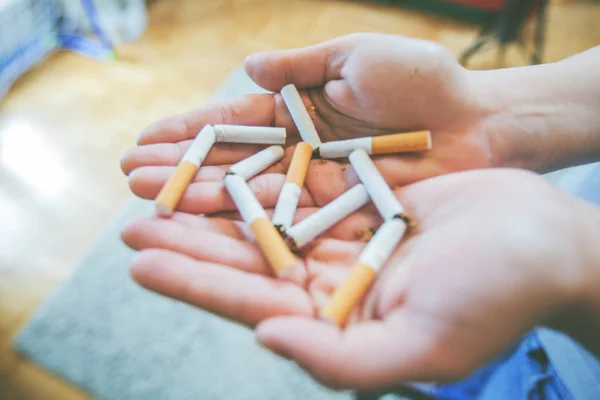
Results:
367 355
304 67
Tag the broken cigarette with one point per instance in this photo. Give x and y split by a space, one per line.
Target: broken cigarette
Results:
386 144
251 166
268 238
363 273
326 217
171 193
249 134
386 202
285 209
300 115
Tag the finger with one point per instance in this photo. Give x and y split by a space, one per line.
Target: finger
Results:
202 245
325 282
366 355
327 180
335 250
221 226
160 168
231 293
304 67
254 109
212 224
170 154
157 176
212 197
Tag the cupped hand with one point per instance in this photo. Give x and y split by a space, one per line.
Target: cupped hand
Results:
494 254
359 85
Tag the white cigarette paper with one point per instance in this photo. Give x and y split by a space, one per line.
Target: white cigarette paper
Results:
251 166
171 193
380 247
244 199
285 209
342 148
300 115
267 237
386 202
362 275
314 225
200 147
249 134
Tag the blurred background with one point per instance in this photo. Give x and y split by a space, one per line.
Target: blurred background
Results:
80 79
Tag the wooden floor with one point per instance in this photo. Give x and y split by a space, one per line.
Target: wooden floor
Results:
66 123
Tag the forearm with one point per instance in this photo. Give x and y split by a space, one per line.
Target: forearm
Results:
580 318
544 117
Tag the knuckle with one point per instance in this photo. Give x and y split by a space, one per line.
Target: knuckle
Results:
226 113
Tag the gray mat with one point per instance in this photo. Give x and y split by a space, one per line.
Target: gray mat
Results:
117 341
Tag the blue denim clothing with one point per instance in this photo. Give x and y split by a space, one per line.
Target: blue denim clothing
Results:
544 365
525 373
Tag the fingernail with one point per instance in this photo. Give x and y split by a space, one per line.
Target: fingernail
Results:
350 176
250 62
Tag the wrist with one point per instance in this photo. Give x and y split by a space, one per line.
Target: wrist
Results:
540 118
579 314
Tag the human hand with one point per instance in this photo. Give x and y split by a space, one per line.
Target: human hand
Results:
360 85
494 254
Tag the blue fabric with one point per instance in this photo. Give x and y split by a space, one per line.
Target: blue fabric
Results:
523 373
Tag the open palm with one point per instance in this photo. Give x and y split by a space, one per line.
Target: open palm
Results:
354 86
430 315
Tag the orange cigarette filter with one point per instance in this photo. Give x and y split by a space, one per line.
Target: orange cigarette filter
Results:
171 193
349 294
267 237
299 164
287 203
401 142
173 190
351 291
272 246
385 144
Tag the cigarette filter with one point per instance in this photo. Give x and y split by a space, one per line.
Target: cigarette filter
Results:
289 196
362 274
326 217
387 204
385 144
249 134
175 187
251 166
300 115
267 237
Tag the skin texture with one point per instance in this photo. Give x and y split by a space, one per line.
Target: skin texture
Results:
511 251
353 84
431 315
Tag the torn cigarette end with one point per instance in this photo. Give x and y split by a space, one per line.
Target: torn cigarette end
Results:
344 299
273 246
300 115
173 190
365 235
256 163
386 202
401 142
288 199
249 134
327 216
